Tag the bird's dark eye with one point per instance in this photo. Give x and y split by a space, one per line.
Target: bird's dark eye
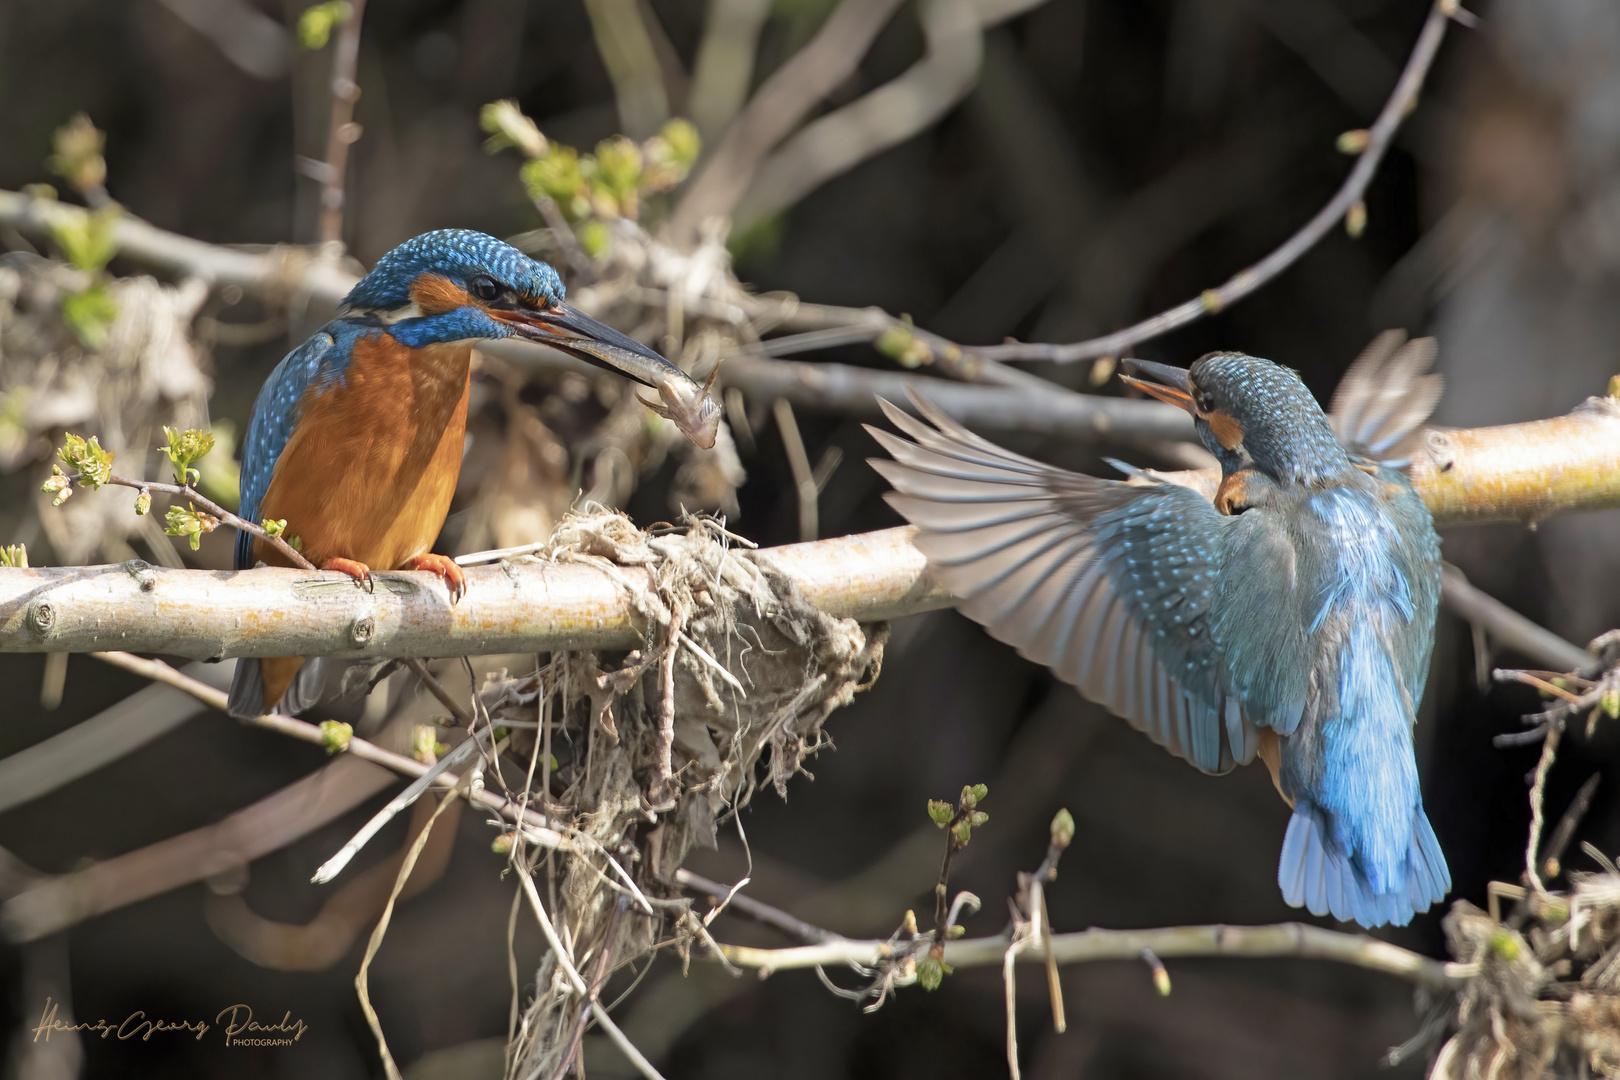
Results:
1204 402
484 288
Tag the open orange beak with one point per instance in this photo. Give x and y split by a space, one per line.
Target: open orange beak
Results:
1174 385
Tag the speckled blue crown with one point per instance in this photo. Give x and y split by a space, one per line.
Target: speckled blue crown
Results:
1284 429
458 254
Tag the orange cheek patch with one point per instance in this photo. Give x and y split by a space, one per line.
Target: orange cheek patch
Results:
435 295
1226 429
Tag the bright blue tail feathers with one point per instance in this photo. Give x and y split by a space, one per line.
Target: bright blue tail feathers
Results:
1320 879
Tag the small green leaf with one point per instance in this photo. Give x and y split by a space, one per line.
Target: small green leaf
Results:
1610 702
556 175
58 486
507 126
940 812
618 166
930 973
1503 945
190 522
684 142
1355 219
669 156
94 464
335 736
87 239
962 832
595 237
501 733
14 556
977 818
1062 829
184 448
904 347
502 844
424 743
78 157
143 502
1354 142
274 526
316 24
90 314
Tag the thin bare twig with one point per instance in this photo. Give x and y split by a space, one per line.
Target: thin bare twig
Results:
1538 791
362 978
1283 939
754 909
1507 626
1350 194
536 828
342 130
725 63
626 48
804 480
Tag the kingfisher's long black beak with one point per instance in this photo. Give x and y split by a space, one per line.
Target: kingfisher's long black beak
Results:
1174 384
682 400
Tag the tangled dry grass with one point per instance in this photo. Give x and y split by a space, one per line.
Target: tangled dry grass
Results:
1543 994
637 757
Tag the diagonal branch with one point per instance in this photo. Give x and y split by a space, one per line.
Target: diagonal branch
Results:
887 116
1345 202
776 109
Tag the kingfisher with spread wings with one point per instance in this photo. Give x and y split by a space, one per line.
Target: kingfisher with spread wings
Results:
1290 619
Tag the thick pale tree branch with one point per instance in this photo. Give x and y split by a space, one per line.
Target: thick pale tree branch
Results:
516 608
276 271
1517 472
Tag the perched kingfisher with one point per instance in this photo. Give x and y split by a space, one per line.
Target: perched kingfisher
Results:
356 438
1292 619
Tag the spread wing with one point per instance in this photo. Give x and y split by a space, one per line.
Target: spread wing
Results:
274 414
1107 583
1380 405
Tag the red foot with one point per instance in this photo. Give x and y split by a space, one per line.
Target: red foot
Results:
443 565
357 570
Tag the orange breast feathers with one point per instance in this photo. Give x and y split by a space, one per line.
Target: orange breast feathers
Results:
372 464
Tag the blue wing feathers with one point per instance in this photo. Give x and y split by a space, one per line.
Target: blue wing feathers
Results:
275 413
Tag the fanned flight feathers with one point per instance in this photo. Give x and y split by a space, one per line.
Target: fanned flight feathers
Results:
1064 566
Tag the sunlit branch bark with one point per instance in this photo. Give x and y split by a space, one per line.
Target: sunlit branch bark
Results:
1515 472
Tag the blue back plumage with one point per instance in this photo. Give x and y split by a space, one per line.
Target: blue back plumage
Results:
320 360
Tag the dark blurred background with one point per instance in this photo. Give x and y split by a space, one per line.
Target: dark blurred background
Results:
1111 160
